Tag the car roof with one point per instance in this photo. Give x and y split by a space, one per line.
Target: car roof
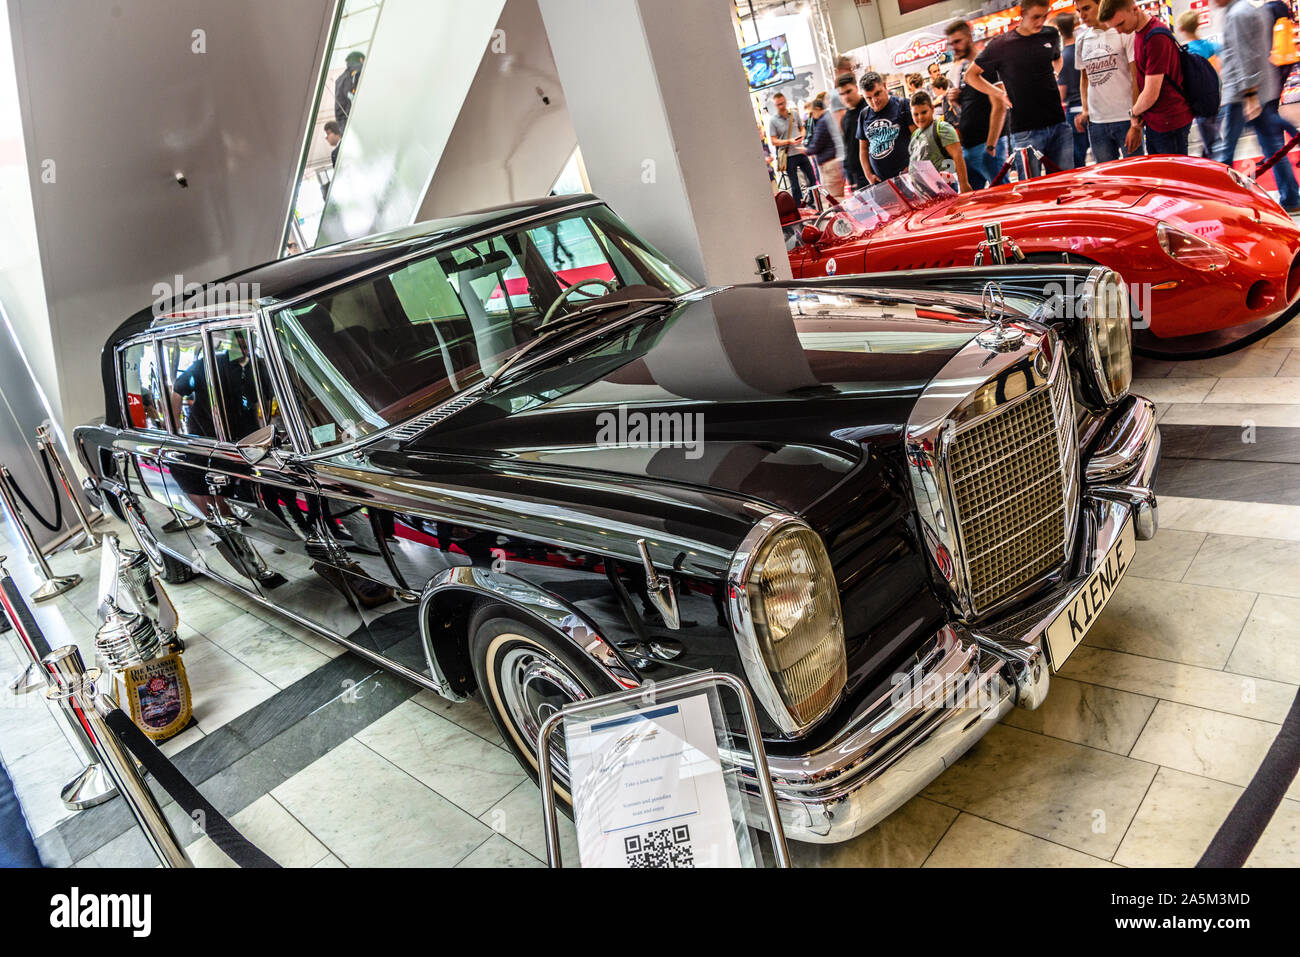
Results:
286 279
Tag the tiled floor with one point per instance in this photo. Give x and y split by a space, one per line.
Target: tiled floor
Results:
1146 740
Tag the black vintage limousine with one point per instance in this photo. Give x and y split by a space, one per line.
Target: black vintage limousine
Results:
519 453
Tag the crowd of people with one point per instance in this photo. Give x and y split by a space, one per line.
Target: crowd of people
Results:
1111 81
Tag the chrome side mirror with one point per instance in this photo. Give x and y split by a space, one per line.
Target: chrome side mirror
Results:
257 446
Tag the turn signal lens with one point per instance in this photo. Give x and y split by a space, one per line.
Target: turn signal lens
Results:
1192 251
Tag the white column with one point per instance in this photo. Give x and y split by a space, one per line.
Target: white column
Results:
661 108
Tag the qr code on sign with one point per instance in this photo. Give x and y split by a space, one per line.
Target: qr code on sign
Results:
670 847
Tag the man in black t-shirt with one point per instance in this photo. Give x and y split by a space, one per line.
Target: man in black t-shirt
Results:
884 130
1067 82
979 122
854 104
1027 60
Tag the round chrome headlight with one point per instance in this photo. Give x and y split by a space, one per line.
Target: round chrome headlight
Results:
1108 334
786 617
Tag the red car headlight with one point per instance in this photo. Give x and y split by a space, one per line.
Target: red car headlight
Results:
1191 251
1247 183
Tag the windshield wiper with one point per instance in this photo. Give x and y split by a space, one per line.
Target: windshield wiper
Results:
549 330
597 306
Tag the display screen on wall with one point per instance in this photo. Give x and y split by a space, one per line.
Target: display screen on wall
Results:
767 63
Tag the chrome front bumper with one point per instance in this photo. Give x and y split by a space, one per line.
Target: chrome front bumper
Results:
963 680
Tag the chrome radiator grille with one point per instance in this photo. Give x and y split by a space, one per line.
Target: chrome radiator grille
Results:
1013 478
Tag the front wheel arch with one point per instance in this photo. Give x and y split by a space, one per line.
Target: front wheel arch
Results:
449 600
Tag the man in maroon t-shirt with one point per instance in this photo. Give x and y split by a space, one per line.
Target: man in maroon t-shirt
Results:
1161 106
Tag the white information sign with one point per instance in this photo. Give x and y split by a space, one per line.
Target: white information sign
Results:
648 789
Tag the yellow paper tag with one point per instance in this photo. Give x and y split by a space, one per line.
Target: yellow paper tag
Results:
159 693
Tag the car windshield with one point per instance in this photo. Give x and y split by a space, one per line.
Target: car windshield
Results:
877 204
376 352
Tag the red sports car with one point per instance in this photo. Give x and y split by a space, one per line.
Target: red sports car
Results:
1201 246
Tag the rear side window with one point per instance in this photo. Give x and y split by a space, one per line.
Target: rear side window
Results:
189 390
246 397
142 387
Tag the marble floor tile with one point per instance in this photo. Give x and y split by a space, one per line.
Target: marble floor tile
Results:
330 649
903 839
1087 714
279 658
1144 368
1291 366
405 823
1209 688
1269 646
52 849
272 829
1175 390
518 818
975 842
1275 390
1181 814
1194 624
1167 556
1257 564
1063 792
221 687
1224 747
1253 362
329 861
1236 414
199 608
38 779
173 746
28 724
496 851
471 714
1252 519
468 771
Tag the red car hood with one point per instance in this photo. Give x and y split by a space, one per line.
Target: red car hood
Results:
1188 190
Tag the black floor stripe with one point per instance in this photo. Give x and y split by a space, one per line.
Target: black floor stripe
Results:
258 750
1231 463
1231 443
1245 823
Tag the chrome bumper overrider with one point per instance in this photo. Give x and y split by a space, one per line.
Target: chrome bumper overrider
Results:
963 680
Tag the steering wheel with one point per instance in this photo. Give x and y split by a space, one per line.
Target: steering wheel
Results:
563 297
820 222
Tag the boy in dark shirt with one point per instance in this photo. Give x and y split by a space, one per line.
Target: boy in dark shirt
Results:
884 130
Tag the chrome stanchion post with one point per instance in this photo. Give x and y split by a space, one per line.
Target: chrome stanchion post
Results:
45 440
54 585
74 687
33 676
92 785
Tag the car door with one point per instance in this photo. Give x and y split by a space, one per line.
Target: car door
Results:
270 514
142 445
214 545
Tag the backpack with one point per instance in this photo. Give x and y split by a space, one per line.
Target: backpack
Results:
1200 80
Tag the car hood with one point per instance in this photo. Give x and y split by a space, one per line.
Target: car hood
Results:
770 393
1150 187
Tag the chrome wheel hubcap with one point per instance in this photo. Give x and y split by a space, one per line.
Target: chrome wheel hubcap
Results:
535 686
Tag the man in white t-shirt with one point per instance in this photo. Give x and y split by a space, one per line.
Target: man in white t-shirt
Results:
1107 83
